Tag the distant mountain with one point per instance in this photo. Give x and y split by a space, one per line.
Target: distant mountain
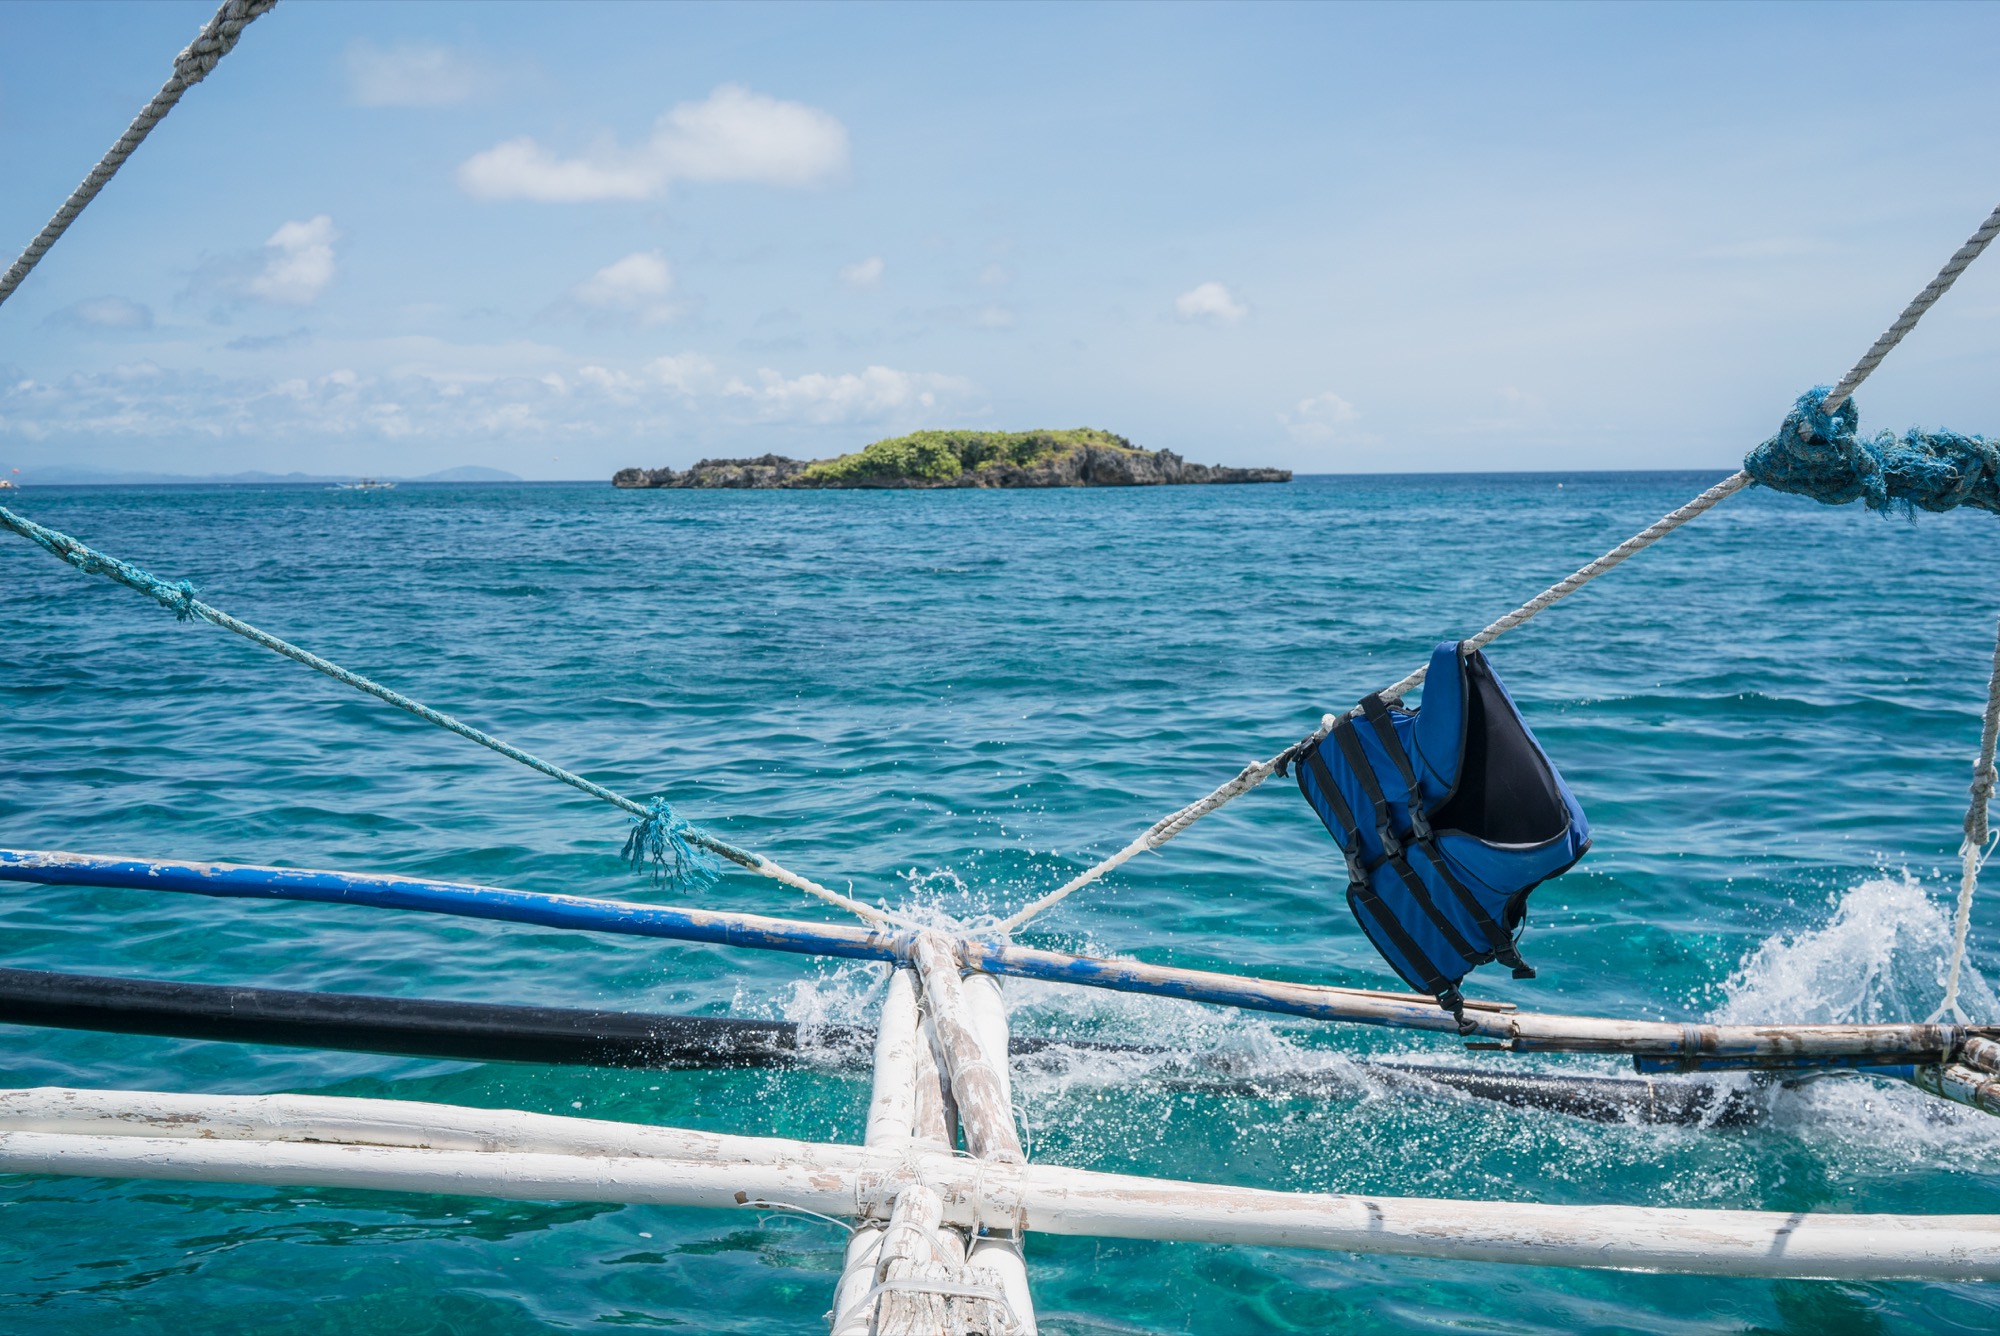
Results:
469 473
76 476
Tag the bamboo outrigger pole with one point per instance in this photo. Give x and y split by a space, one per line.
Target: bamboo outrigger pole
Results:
387 1145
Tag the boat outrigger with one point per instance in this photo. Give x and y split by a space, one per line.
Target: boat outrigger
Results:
937 1243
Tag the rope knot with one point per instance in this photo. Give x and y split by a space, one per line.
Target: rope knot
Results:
1821 455
660 839
180 596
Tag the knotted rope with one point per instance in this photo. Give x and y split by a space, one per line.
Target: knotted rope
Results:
1937 466
1972 850
1816 453
671 845
191 66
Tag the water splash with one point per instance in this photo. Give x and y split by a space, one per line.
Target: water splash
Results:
1881 958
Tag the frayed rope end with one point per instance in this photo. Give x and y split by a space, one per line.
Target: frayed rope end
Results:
181 598
659 844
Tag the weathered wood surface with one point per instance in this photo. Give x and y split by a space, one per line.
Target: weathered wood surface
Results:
853 1180
999 1251
892 1112
937 1111
1961 1084
984 1110
922 1260
1520 1031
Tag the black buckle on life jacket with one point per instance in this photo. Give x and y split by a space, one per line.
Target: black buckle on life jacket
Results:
1511 958
1391 846
1453 1001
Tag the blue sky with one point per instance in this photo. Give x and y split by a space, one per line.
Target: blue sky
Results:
564 239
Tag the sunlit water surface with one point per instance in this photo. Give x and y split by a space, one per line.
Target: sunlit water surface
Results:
959 699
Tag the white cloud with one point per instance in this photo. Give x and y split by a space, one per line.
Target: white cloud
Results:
877 392
735 135
683 373
297 262
104 313
1318 418
994 317
413 74
996 275
862 273
637 287
1210 302
413 389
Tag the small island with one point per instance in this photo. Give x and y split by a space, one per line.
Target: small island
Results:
1084 457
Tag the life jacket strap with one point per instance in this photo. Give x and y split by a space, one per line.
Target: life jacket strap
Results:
1500 943
1376 711
1453 1001
1359 891
1349 742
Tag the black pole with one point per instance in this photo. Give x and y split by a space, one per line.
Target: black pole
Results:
413 1027
563 1036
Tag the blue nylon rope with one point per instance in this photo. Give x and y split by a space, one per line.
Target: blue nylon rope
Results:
1819 455
679 853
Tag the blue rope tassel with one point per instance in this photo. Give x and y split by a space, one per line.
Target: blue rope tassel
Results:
660 838
1818 454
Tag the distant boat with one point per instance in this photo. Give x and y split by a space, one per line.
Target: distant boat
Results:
365 485
9 485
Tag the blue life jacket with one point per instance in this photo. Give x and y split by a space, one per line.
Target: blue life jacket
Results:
1440 884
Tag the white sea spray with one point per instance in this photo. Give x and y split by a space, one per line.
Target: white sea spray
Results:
1880 958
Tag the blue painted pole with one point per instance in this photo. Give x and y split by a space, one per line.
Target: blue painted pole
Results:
445 897
573 912
1496 1024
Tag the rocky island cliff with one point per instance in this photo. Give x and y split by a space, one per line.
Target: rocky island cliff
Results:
1085 457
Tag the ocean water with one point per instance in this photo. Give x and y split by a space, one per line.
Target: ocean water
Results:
956 700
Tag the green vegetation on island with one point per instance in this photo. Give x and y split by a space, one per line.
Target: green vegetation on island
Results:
939 456
1082 457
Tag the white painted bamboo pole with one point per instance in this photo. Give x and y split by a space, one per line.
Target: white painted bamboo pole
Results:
983 1108
892 1103
892 1113
385 1122
999 1251
937 1111
986 1008
844 1180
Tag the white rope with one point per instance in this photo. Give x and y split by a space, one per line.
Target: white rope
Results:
1973 850
1914 312
1258 771
952 1289
1562 589
191 66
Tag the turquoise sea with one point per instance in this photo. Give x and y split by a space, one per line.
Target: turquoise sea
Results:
959 699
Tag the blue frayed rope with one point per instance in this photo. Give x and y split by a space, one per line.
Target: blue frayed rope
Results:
659 840
677 850
1819 455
